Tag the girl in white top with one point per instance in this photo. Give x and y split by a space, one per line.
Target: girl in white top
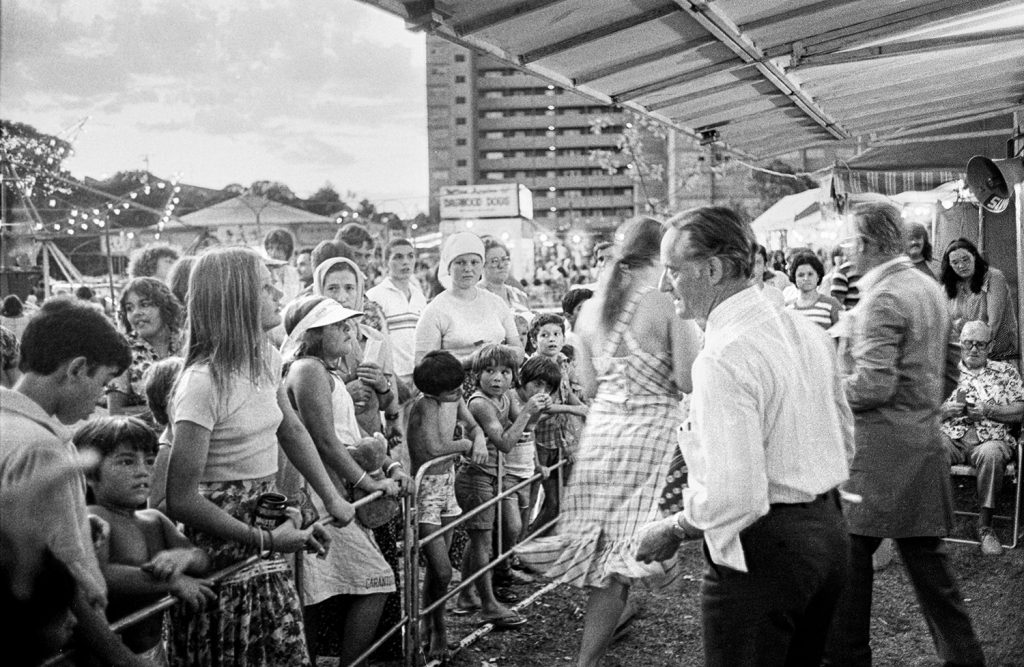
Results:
345 593
230 412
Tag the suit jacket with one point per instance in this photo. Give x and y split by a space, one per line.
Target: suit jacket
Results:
894 388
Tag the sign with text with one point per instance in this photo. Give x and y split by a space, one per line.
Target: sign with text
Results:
500 200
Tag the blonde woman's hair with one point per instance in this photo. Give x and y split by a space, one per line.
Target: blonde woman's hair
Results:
223 322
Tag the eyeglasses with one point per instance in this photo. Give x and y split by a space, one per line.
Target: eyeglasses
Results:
972 344
498 262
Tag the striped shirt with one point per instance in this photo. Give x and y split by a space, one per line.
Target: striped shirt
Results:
401 315
824 311
844 286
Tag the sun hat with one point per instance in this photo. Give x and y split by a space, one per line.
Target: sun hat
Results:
326 311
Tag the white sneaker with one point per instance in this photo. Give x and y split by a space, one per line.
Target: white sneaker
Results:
990 545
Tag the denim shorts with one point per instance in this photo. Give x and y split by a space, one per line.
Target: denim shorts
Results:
474 488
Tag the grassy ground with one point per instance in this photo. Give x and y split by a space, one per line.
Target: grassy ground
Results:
668 631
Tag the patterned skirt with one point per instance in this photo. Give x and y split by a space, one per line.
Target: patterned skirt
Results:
620 471
256 618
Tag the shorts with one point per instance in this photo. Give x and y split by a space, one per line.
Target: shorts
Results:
436 499
522 496
474 488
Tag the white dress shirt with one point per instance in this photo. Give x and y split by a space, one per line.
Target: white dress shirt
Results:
769 422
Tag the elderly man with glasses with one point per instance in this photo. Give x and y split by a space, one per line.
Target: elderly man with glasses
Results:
975 422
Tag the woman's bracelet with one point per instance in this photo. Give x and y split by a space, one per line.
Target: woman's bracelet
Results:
270 536
259 534
387 471
358 481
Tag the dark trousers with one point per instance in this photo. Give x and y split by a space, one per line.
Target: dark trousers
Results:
778 612
937 593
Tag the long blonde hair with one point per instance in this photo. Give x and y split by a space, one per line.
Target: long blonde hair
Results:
223 321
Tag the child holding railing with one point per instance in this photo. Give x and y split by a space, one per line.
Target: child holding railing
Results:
495 409
432 419
146 556
557 432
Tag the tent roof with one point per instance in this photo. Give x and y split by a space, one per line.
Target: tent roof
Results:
785 212
769 77
243 210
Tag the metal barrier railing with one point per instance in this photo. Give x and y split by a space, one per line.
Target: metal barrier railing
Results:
412 546
169 601
415 613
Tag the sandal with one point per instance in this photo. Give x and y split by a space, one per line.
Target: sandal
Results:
505 622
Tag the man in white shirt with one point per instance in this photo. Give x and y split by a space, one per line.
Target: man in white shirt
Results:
402 301
769 439
901 472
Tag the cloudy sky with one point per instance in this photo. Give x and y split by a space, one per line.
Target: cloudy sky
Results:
225 91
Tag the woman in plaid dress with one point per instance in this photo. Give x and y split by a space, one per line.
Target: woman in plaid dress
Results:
635 360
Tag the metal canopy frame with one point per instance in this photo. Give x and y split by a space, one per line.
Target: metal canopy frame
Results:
771 77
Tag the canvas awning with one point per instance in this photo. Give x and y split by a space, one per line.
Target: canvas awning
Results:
767 77
249 209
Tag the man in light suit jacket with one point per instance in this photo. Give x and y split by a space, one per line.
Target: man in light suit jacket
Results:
899 469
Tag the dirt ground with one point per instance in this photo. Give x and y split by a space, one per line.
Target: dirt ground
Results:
668 630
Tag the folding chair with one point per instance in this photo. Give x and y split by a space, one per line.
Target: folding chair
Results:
1013 475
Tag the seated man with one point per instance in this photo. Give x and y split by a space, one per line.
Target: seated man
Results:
989 395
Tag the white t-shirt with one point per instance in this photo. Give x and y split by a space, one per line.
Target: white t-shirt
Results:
462 327
242 422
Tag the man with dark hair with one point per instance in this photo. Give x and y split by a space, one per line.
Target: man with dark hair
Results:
894 385
69 352
304 265
357 237
153 262
767 444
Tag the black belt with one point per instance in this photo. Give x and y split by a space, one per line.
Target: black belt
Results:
831 494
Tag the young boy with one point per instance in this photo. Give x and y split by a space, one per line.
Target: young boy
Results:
493 408
557 433
146 556
432 424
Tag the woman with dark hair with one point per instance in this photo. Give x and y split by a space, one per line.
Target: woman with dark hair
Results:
151 318
806 272
977 291
634 358
13 315
919 249
155 262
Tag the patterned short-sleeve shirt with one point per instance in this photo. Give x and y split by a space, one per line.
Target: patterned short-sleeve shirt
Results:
997 382
132 382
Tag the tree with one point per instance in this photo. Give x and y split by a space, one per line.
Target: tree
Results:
33 164
274 190
325 201
770 187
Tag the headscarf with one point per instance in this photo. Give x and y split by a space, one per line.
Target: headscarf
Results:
460 243
325 267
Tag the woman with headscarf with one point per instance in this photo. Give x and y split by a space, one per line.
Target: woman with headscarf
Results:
465 316
367 369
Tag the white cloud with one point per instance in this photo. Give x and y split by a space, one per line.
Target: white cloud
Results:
226 91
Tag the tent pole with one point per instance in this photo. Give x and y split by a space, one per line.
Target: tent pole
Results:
981 230
1019 188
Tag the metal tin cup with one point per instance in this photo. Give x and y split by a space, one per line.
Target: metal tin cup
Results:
270 511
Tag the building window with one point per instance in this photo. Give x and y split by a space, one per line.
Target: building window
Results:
460 121
460 142
494 114
460 100
460 163
460 79
494 155
494 175
461 181
460 58
494 135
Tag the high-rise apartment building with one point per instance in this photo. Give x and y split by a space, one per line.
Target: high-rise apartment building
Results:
488 122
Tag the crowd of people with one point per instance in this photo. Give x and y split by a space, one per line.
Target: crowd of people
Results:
792 410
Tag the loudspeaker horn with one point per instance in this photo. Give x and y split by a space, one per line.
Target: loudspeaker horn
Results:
991 181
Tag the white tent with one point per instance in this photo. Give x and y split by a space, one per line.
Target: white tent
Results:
795 220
